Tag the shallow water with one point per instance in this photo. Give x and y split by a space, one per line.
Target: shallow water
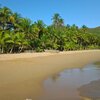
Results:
65 85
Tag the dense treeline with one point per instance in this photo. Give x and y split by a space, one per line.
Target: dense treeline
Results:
95 30
18 34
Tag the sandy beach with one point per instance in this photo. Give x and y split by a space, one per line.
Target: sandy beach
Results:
21 75
31 55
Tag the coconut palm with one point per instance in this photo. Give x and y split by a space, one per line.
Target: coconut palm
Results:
4 17
22 42
41 28
57 20
15 20
25 25
4 38
84 28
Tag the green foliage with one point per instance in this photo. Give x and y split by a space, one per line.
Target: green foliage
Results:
18 34
39 49
57 21
94 30
93 47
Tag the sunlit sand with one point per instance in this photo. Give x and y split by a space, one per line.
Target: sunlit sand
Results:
21 75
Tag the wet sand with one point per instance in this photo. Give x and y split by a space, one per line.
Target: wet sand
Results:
90 91
21 75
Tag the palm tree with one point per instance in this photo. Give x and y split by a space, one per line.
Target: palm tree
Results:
57 20
41 27
25 25
22 42
13 42
4 39
15 19
4 17
84 28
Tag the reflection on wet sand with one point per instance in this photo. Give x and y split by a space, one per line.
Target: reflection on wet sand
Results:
65 85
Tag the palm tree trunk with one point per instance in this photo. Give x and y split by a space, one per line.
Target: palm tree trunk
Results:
11 50
21 48
2 50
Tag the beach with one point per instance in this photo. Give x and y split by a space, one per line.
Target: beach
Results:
21 75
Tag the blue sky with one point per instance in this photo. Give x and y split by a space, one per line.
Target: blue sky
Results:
77 12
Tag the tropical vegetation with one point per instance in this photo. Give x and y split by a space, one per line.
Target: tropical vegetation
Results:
18 34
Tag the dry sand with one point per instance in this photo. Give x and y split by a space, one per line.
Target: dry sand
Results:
21 75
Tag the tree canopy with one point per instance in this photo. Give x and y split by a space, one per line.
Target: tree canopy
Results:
18 34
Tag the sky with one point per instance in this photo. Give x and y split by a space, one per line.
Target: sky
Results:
79 12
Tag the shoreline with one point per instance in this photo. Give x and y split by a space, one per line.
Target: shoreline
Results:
21 75
40 54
